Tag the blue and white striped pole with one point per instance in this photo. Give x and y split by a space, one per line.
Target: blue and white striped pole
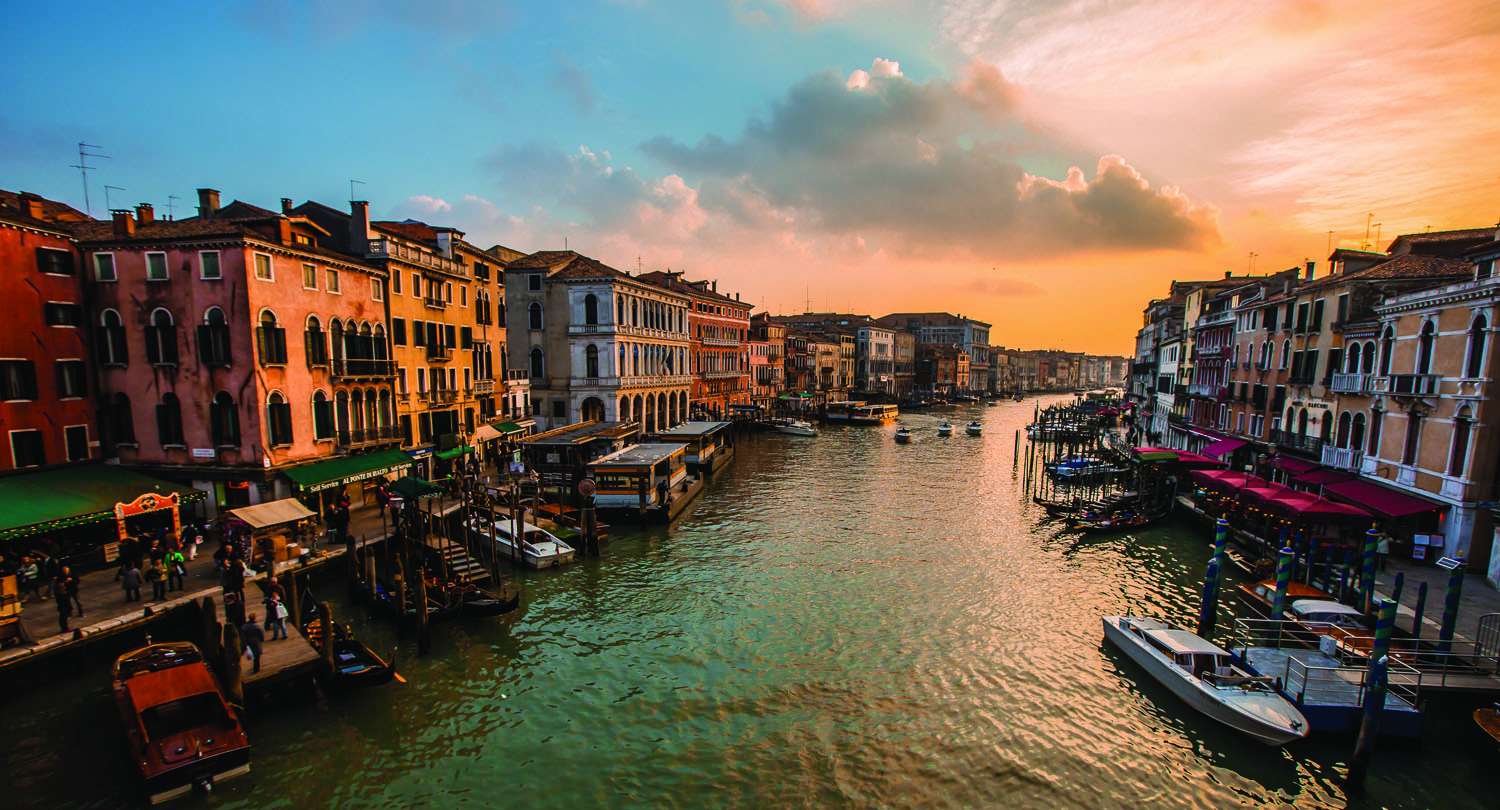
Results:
1367 578
1283 579
1208 610
1221 541
1450 609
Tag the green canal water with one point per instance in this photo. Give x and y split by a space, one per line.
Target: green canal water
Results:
838 622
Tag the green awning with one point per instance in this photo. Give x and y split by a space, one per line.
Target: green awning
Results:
337 472
507 428
455 452
412 488
32 503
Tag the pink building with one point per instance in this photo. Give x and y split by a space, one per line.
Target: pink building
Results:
233 349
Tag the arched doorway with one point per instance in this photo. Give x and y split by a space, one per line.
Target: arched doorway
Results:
625 409
592 410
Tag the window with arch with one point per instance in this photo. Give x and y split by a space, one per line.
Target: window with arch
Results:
122 420
1474 365
591 361
1376 421
1351 360
279 420
534 316
316 343
213 338
1286 353
1387 349
537 368
161 339
112 348
322 416
590 309
224 420
1424 348
1367 362
169 421
635 313
1357 433
270 339
1458 455
1413 438
1346 423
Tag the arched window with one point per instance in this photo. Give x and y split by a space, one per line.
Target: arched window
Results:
341 412
1357 433
1302 422
1345 422
317 344
620 310
1474 368
322 417
1458 455
1413 438
270 339
1424 348
635 313
590 309
213 338
534 316
378 345
537 368
169 420
279 419
1376 420
1286 353
161 339
1387 349
122 420
1325 428
1367 363
224 420
1351 360
113 350
591 360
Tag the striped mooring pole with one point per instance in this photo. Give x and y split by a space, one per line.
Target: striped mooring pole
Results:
1208 610
1376 686
1450 609
1221 541
1397 586
1367 575
1283 579
1416 620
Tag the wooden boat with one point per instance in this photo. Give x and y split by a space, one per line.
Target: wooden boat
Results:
439 608
974 429
1208 678
354 664
1257 596
572 518
475 602
1057 508
182 732
945 429
903 435
1117 522
1489 720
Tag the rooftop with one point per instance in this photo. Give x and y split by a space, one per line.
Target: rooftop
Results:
692 429
584 432
638 455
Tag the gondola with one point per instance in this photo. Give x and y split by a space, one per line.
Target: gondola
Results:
1056 508
354 665
475 602
1116 522
437 609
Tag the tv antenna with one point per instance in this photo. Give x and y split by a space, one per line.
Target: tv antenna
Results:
170 198
352 183
1366 244
1377 236
83 169
107 189
1329 250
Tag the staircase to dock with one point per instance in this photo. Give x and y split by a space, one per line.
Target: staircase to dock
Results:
456 558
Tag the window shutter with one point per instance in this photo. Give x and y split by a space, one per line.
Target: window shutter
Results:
466 337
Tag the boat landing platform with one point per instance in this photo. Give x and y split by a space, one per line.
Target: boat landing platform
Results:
1331 695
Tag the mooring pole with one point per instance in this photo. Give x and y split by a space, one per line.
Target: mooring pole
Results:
1450 609
1283 581
1376 683
232 652
1367 575
212 633
1208 610
1397 586
1221 541
325 644
1416 620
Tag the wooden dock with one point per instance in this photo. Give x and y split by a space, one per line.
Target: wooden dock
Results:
285 660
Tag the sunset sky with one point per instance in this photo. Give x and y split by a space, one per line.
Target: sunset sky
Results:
1045 166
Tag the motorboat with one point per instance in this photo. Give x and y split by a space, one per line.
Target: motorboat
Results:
539 548
903 435
183 735
1208 678
945 429
797 427
992 403
1340 625
1258 596
974 429
354 664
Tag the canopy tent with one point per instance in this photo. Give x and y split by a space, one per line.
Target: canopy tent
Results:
1260 496
1378 500
338 472
1301 507
1226 482
1294 465
1151 454
486 433
1109 411
273 513
412 488
1222 447
33 503
1182 459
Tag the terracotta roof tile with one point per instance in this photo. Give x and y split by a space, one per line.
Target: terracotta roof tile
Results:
55 215
542 260
411 229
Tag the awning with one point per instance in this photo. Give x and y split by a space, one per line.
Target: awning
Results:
1155 454
412 488
1380 501
507 428
1222 447
346 470
455 452
1295 465
1303 508
261 515
1324 476
32 503
485 433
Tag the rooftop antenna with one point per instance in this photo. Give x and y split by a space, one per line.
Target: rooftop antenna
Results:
1366 244
1377 236
170 198
351 187
1251 268
83 169
107 189
807 298
1329 249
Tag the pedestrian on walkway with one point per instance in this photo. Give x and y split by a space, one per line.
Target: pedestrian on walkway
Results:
31 573
130 580
192 536
1382 548
254 638
64 606
69 584
47 570
276 614
176 571
156 574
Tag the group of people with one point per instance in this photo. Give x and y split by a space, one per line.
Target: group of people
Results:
253 631
159 559
43 572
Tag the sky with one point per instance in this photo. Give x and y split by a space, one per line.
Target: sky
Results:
1046 167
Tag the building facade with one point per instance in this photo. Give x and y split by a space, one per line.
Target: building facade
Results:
719 360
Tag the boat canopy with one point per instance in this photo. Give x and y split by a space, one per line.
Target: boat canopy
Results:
1182 641
1306 606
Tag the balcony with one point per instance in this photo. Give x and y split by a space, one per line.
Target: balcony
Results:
442 396
1210 352
1351 383
390 249
723 375
483 387
1216 318
1309 445
1210 390
655 381
434 303
440 353
345 368
367 436
1177 419
517 375
1342 458
721 342
1413 385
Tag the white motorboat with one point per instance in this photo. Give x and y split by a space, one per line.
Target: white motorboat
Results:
1208 678
539 549
974 428
945 429
903 435
797 427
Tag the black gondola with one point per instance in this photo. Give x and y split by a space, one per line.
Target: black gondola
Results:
475 602
354 664
438 609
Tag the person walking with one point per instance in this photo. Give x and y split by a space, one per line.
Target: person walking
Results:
156 574
47 570
64 606
253 638
276 614
69 584
130 580
176 571
192 536
1382 548
31 573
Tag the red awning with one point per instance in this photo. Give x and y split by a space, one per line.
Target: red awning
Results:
1295 465
1226 481
1304 508
1262 494
1323 476
1223 447
1380 501
1195 461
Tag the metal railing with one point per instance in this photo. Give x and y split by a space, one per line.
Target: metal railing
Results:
1350 383
435 303
484 386
439 352
1342 458
362 367
1421 385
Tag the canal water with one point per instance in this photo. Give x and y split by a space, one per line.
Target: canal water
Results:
838 622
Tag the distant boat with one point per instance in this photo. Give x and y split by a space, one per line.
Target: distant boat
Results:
1208 678
992 403
974 428
945 429
797 427
903 435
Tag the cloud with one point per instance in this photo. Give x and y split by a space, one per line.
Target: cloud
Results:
1003 287
571 80
428 206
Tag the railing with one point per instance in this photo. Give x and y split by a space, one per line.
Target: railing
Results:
1312 445
355 438
1210 352
439 352
517 375
1216 318
645 381
1420 385
1342 458
723 375
1205 389
359 367
444 395
484 386
721 342
435 303
1350 383
385 248
590 328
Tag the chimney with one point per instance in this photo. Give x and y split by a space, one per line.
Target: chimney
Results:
286 205
30 204
145 213
124 223
716 285
1309 275
284 230
208 202
359 225
1226 274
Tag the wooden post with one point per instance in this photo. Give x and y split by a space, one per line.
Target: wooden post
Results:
293 600
212 632
515 521
641 497
325 649
424 637
232 652
590 528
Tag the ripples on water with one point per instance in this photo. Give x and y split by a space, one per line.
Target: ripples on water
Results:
840 621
